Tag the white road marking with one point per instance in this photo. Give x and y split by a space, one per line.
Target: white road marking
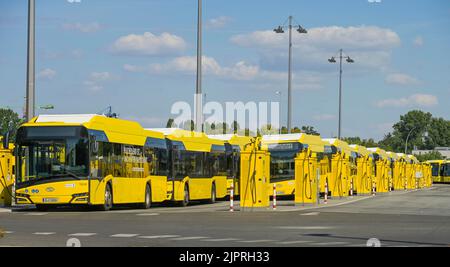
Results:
35 214
310 214
256 241
220 240
330 244
147 214
124 235
158 236
293 242
189 238
7 232
44 233
83 234
305 227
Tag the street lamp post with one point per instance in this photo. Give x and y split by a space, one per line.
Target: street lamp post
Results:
30 92
407 139
300 30
198 95
333 60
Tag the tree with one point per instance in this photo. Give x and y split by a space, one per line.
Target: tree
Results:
415 124
434 155
309 130
170 123
438 134
9 120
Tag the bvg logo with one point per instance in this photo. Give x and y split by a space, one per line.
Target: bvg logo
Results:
50 189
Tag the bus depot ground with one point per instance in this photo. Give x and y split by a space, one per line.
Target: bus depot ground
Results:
403 218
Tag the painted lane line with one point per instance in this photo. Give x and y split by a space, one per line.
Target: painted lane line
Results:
35 214
310 214
147 214
256 241
158 236
220 240
7 232
305 227
330 244
293 242
189 238
44 233
124 235
83 234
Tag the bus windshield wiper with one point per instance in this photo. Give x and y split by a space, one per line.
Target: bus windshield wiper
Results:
71 174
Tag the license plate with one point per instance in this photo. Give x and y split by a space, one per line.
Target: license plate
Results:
49 200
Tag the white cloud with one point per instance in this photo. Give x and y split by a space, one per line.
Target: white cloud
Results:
417 100
419 41
84 28
241 71
370 46
188 65
97 80
324 117
363 37
219 22
148 44
47 74
401 79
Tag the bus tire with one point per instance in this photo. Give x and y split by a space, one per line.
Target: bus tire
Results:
186 198
108 199
148 198
213 198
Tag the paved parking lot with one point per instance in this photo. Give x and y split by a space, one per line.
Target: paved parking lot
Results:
417 218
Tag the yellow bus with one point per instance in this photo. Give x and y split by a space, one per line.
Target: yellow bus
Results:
440 171
198 166
234 145
93 160
89 160
284 150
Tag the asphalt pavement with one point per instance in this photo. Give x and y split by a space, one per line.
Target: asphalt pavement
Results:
413 219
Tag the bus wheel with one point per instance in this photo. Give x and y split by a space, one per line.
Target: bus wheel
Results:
108 199
213 194
148 198
185 201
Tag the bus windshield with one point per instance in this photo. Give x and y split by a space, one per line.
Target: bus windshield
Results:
56 157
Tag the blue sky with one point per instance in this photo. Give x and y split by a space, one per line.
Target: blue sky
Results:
138 56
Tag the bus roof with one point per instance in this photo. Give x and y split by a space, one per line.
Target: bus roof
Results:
343 146
193 141
117 130
413 158
393 155
233 139
361 150
381 152
436 161
314 142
